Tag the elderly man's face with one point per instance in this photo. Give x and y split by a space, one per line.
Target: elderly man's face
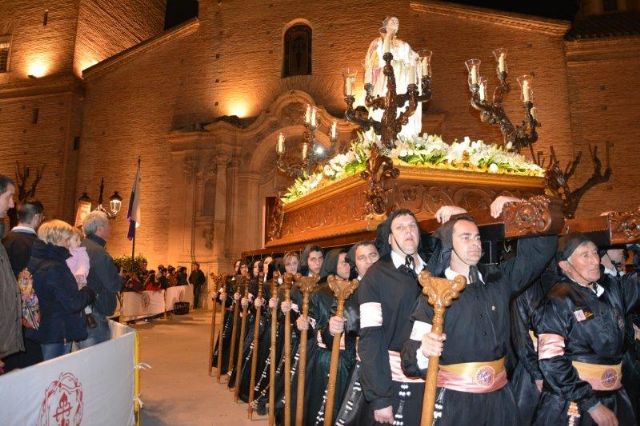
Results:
6 200
586 261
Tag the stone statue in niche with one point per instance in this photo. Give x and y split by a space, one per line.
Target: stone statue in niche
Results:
207 234
405 67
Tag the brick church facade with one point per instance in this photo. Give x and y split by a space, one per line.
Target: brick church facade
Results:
91 85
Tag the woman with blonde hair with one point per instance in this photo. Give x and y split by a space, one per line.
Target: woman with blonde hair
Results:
61 303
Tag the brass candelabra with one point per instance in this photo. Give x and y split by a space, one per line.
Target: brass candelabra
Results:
515 137
313 153
380 166
391 123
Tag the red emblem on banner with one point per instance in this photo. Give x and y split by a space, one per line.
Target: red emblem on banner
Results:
62 404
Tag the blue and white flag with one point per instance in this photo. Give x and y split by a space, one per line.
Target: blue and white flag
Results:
134 206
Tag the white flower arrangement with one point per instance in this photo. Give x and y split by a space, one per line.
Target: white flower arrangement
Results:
422 151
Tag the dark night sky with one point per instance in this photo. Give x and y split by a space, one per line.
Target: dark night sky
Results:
179 11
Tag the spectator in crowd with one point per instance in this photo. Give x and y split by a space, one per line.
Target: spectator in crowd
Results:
19 240
18 243
163 281
198 280
171 276
181 276
61 303
104 278
10 310
151 283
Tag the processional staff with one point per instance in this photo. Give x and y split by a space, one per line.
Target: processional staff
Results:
288 282
306 286
243 331
272 359
215 279
223 298
439 292
240 281
256 339
342 289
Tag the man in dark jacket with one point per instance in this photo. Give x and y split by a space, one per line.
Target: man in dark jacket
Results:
197 279
18 243
10 310
104 277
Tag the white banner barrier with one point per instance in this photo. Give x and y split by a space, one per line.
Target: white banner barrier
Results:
141 305
180 293
93 386
144 304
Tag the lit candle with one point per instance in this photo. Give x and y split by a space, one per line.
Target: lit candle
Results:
307 115
334 130
411 78
482 89
313 117
305 148
424 63
348 86
280 146
525 91
474 74
501 62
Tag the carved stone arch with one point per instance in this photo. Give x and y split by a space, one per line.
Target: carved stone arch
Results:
286 115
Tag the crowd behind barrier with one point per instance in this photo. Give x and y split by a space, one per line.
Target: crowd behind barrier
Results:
148 303
93 386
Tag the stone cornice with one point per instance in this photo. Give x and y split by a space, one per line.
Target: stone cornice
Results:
554 27
46 86
602 49
182 30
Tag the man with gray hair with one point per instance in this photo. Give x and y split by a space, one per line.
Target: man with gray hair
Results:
104 278
10 308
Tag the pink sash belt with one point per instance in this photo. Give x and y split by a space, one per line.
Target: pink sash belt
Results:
397 375
473 377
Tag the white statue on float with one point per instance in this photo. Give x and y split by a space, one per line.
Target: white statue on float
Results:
405 67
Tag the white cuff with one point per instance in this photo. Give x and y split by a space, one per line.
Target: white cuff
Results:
419 329
423 361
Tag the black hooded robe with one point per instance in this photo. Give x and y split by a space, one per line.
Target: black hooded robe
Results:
477 327
591 329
